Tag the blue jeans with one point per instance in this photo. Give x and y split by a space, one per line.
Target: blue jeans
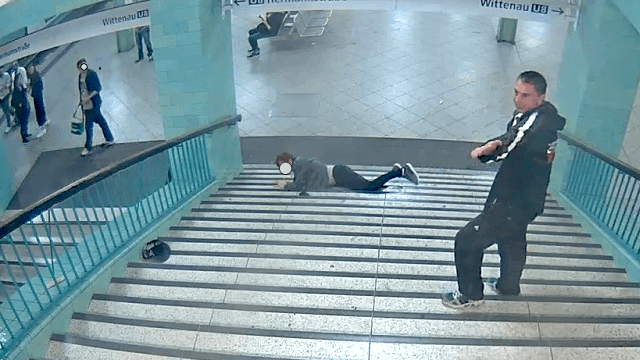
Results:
38 103
144 35
7 109
255 35
22 112
91 116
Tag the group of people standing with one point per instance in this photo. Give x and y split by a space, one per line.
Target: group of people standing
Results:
16 85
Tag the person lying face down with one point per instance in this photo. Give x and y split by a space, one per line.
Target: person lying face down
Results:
312 175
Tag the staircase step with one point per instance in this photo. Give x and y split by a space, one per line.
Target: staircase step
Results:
260 273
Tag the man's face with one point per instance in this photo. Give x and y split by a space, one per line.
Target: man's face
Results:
526 97
83 67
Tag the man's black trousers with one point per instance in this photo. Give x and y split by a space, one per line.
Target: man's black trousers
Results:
497 224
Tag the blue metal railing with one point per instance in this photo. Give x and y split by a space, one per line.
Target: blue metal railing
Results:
607 190
51 247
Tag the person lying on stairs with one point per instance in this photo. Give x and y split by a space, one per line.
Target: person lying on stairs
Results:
312 175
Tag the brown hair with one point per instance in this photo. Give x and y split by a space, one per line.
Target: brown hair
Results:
283 158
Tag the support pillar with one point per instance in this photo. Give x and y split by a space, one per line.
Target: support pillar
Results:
598 80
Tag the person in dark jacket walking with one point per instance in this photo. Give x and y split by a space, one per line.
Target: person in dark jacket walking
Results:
516 197
267 28
89 87
312 175
37 93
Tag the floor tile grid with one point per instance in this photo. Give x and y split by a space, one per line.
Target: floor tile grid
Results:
411 68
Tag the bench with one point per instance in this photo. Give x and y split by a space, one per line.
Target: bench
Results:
305 23
312 23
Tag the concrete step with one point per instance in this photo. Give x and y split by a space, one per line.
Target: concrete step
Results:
257 273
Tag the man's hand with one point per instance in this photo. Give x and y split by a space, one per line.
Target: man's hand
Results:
486 149
280 184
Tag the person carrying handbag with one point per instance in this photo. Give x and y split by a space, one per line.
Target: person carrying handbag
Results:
89 88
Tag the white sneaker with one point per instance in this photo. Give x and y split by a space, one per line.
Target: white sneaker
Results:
456 300
42 131
46 123
7 130
85 152
108 143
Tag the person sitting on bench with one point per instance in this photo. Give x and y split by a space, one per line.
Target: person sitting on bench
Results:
269 27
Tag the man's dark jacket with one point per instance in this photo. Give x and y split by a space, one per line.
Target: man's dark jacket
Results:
521 183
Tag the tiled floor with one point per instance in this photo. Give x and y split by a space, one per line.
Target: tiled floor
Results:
390 74
372 73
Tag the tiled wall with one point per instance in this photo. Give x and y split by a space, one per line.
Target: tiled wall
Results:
193 66
630 152
599 76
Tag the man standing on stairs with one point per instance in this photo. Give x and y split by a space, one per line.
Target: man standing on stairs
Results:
517 195
311 175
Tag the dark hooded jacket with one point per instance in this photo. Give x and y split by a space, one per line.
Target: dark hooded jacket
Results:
308 175
520 187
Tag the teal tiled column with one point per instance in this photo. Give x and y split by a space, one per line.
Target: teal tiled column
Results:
599 76
194 75
597 81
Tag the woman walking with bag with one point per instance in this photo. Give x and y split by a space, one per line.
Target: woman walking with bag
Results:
89 87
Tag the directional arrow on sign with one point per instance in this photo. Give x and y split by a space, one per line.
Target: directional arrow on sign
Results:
560 12
238 1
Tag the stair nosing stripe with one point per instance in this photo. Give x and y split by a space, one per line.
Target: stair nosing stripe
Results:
360 234
366 246
369 293
363 275
355 214
313 335
250 181
357 206
428 191
463 316
358 259
355 223
150 350
418 201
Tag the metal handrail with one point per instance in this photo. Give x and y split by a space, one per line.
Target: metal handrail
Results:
16 220
625 168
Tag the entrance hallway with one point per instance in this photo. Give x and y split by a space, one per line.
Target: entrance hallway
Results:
381 73
396 74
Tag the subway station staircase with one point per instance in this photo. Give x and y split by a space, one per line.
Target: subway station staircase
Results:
261 273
